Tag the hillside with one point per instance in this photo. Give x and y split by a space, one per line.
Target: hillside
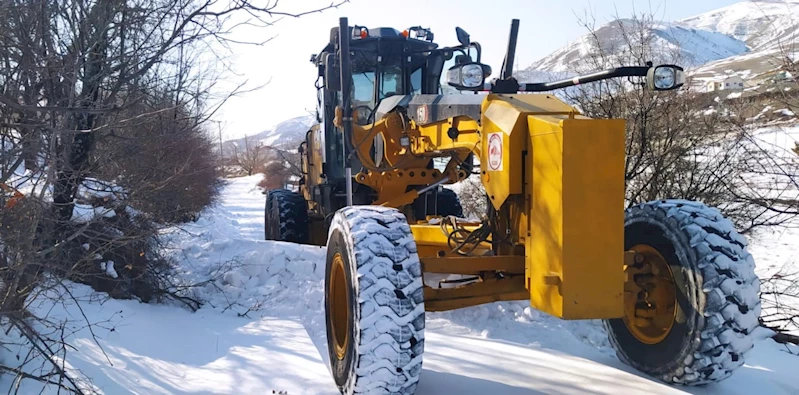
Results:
697 46
759 24
286 134
749 38
769 28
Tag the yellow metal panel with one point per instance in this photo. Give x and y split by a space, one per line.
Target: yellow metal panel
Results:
486 291
509 264
576 247
434 137
504 131
503 128
459 303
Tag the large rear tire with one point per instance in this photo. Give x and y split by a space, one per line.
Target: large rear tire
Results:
444 202
448 203
691 297
374 302
286 217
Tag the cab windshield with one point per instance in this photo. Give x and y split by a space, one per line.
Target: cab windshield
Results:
372 82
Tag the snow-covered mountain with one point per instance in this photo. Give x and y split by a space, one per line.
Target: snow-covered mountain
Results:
696 46
769 28
760 24
286 134
748 38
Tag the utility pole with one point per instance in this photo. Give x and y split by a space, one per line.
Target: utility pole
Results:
219 128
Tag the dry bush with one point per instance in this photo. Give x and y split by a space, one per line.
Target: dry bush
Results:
250 158
166 160
473 197
780 297
276 176
677 148
112 93
674 148
282 168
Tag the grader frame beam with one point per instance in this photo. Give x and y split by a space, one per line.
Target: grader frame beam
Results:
502 279
486 291
474 264
508 285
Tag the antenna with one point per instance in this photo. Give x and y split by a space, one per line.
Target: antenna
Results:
507 65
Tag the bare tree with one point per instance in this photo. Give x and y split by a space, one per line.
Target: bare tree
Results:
473 197
780 289
281 169
676 148
102 114
251 157
695 145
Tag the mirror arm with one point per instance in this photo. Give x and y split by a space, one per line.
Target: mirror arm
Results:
479 50
627 71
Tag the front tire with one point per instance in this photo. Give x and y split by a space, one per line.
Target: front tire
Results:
374 302
691 297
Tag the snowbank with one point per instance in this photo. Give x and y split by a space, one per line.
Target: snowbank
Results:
263 330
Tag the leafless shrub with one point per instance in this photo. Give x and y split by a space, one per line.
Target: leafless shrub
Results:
695 145
251 157
102 113
473 197
780 299
676 147
166 160
281 169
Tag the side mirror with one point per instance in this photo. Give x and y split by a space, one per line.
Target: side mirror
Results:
463 37
468 76
332 73
665 77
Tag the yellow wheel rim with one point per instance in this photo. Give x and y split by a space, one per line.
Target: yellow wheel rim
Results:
650 296
339 306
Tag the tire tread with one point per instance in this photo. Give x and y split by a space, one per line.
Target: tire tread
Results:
725 274
390 324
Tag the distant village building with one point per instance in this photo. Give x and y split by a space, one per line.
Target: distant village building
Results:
730 83
776 76
782 76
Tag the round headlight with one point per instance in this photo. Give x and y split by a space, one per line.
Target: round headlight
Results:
665 77
472 75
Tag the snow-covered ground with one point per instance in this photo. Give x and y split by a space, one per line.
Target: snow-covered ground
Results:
263 330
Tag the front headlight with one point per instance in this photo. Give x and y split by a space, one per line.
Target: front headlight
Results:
665 77
472 75
467 76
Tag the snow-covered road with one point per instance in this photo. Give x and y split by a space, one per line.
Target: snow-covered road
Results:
263 331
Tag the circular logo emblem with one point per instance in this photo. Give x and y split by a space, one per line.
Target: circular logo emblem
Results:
421 113
495 151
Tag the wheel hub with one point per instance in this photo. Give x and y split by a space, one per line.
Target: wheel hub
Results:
650 296
339 307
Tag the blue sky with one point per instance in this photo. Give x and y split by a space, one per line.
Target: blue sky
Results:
545 25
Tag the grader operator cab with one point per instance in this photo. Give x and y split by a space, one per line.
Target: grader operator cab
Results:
400 117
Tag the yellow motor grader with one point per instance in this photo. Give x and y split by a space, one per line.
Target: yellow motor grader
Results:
399 117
